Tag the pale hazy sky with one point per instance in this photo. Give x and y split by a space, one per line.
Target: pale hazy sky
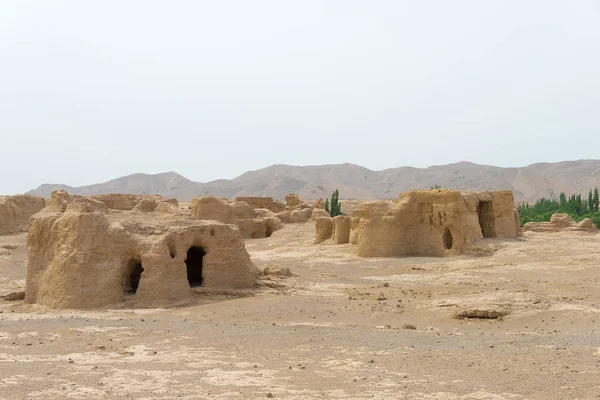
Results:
92 90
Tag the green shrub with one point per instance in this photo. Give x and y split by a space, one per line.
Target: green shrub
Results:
334 208
574 205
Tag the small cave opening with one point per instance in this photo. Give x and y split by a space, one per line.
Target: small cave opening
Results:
172 251
268 231
447 239
193 263
134 274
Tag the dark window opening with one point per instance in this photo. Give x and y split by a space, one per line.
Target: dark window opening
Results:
486 219
447 239
134 274
268 231
193 263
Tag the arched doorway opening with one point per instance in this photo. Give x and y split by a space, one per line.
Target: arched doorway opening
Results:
133 275
193 263
447 239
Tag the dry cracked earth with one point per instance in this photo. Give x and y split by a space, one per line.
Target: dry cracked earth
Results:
338 327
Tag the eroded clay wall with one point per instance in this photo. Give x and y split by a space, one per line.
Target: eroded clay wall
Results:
418 223
16 210
81 259
263 202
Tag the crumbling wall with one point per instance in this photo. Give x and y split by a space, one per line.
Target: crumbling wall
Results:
80 259
502 211
211 208
561 223
16 210
252 223
382 234
292 200
263 202
323 229
354 229
296 216
341 229
517 222
437 222
318 213
122 201
157 206
257 228
241 210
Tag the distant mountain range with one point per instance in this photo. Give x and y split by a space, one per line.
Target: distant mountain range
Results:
355 182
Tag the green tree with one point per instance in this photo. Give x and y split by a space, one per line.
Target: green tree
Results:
327 205
574 205
335 208
590 201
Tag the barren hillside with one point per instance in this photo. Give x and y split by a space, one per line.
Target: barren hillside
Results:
310 182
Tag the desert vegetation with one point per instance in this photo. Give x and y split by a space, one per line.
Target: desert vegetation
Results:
333 207
576 206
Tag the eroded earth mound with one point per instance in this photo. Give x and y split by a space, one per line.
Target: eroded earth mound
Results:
16 210
80 255
561 223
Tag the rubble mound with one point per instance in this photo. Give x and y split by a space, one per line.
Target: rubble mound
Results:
561 223
252 223
16 210
262 202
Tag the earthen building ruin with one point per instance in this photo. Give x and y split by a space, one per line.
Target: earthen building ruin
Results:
424 223
16 210
262 203
81 255
561 223
253 223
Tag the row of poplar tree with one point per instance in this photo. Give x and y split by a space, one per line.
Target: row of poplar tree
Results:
576 206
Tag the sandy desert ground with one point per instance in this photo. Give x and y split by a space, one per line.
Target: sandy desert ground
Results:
341 327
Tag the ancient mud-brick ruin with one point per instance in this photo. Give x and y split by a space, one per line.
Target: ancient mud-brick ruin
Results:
424 223
253 221
16 210
259 223
266 203
81 254
561 223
